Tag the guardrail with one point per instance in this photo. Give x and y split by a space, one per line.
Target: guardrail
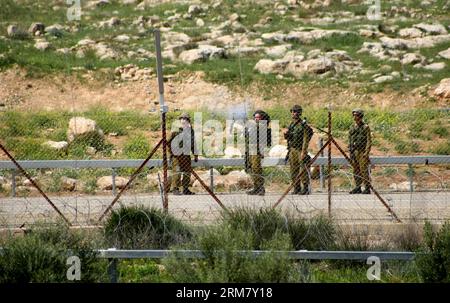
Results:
211 163
113 255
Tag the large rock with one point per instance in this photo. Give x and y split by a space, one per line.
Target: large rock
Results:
42 45
122 38
194 9
177 38
204 52
445 54
312 66
437 66
383 79
274 37
232 152
55 30
278 151
432 29
443 89
13 31
278 51
105 52
68 184
410 33
310 36
236 180
105 182
266 66
36 27
79 126
412 58
61 145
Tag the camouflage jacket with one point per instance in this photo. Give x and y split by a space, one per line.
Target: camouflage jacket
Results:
360 138
298 135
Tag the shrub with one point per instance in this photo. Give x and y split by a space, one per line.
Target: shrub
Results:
442 148
144 228
137 147
41 254
224 262
433 258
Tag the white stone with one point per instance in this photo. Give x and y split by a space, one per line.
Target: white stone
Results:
61 145
105 182
266 66
68 184
443 89
445 54
403 186
200 22
278 50
122 38
312 66
194 9
236 180
412 58
81 126
273 37
435 66
410 33
383 79
232 152
42 45
432 29
278 151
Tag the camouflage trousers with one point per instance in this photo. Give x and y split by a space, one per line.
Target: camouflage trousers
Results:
256 171
361 169
297 164
181 171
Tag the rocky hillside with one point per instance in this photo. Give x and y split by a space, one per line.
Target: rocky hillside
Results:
273 51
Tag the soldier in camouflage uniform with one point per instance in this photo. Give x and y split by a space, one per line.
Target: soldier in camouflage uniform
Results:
298 136
181 144
256 141
360 143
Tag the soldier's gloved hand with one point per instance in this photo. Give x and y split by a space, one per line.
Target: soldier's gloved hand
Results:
195 158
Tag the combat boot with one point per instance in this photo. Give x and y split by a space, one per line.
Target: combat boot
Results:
261 191
186 191
305 190
356 190
297 190
366 191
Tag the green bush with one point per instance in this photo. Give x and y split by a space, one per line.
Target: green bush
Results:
137 147
442 148
433 258
224 263
41 254
144 228
313 234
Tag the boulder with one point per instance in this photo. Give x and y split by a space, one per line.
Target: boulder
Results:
412 58
42 45
192 56
383 79
194 9
278 51
432 29
409 33
435 66
312 66
122 38
236 180
278 151
36 27
445 54
443 89
79 126
61 145
273 37
55 30
266 66
105 182
232 152
68 184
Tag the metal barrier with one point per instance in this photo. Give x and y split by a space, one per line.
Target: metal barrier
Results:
212 163
113 255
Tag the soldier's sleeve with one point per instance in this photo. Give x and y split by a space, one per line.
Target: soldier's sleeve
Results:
305 139
369 140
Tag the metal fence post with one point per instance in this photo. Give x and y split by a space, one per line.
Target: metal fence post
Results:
112 270
114 191
211 179
321 166
411 177
13 183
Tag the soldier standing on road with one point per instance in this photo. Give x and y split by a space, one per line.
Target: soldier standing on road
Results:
258 138
360 143
181 144
298 137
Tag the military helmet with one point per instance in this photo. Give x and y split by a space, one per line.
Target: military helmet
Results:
184 116
296 108
358 111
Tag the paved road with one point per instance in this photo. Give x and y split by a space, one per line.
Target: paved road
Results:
202 208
